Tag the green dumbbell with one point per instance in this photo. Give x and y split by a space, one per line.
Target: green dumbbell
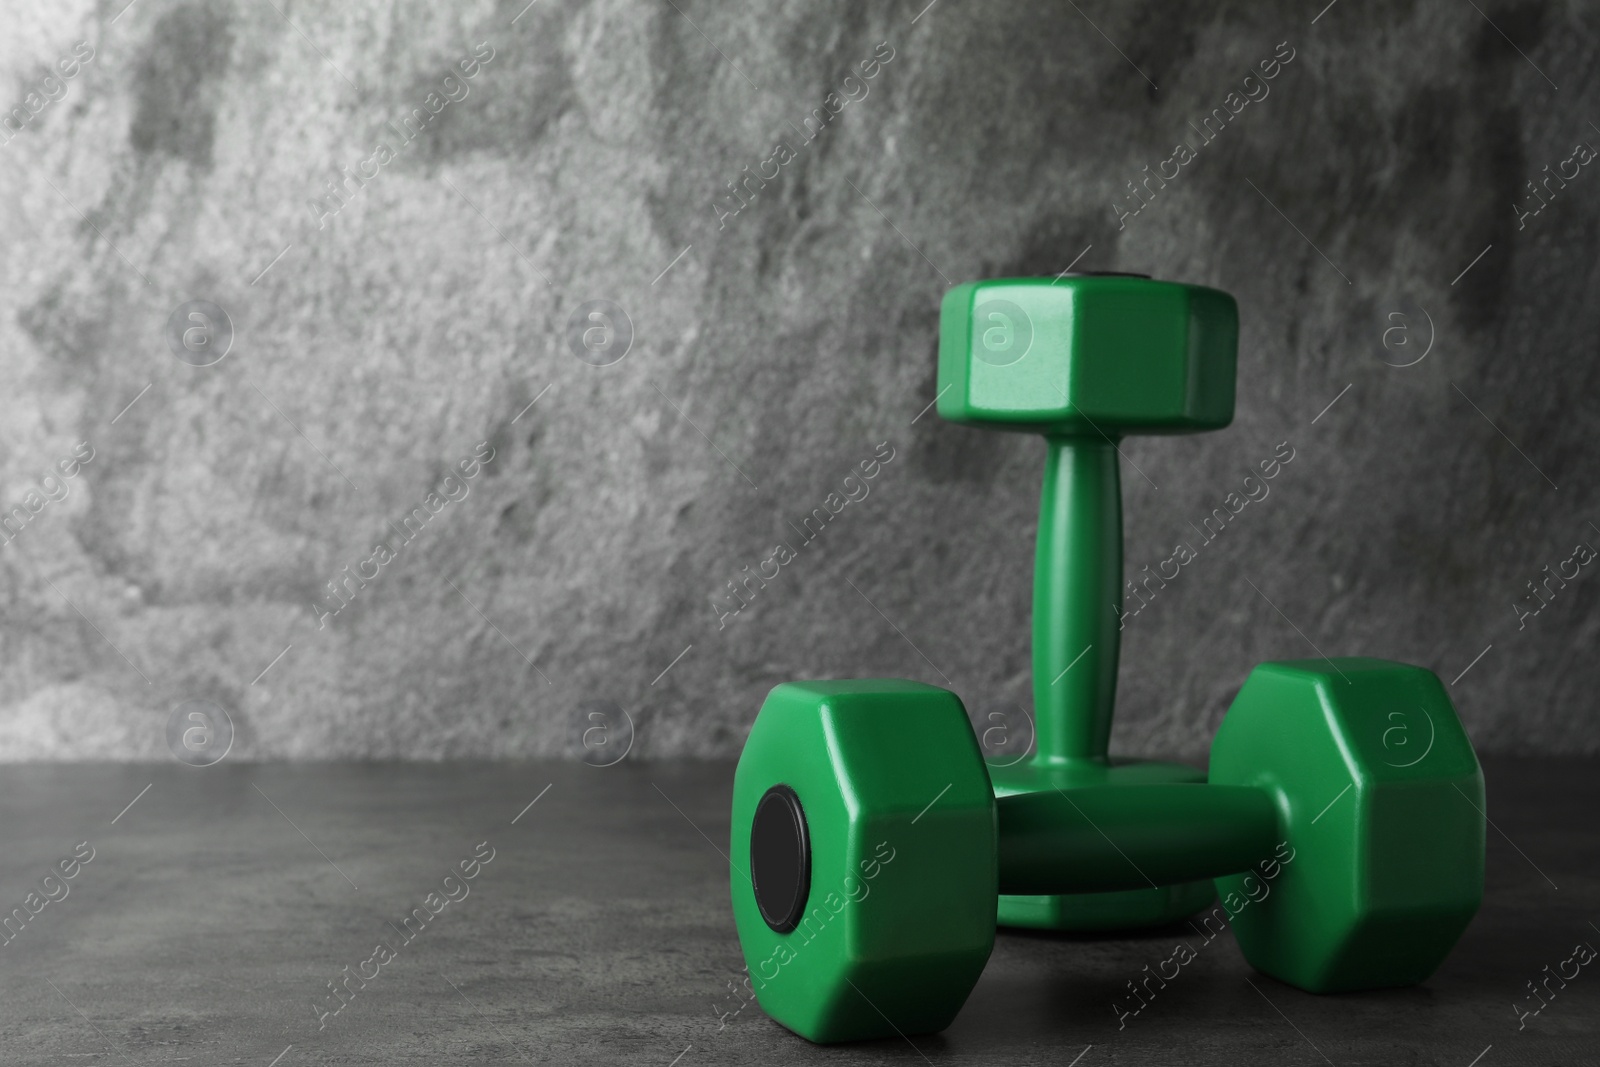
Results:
1085 361
874 851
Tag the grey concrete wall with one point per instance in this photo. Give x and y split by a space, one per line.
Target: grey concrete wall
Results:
397 298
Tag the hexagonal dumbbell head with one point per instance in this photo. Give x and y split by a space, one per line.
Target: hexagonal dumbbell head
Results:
1101 355
1381 806
864 858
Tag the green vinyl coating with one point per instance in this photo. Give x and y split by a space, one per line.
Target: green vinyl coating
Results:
1131 837
1076 577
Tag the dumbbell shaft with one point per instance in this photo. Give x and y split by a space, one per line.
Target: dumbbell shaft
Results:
1131 837
1077 579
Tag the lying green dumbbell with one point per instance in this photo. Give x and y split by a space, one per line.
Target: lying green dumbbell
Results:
870 850
874 854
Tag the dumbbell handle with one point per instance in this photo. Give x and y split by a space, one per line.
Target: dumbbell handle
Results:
1102 838
1077 583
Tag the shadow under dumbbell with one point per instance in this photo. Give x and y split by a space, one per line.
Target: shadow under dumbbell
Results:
1164 932
778 1040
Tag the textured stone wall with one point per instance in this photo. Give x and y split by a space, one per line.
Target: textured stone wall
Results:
392 215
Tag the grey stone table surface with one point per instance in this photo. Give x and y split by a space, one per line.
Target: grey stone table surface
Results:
209 909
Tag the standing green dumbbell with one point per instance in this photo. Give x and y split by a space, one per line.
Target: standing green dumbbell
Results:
1085 361
873 851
